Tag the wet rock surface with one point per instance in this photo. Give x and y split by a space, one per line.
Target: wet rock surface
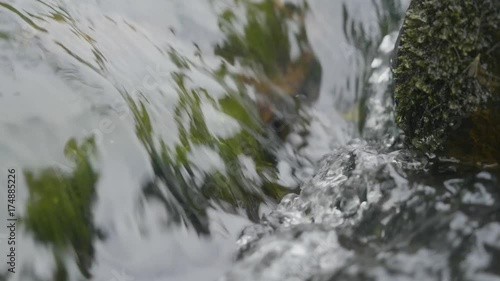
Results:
447 78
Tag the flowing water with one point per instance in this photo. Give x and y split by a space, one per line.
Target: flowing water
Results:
224 140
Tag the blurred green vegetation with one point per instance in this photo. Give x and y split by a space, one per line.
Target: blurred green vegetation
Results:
265 39
229 188
262 44
59 207
25 18
263 49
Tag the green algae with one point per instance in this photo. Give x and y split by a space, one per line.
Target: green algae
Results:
262 44
263 48
21 16
446 73
4 35
265 23
230 188
58 210
59 207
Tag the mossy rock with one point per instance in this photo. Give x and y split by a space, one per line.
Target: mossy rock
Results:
447 78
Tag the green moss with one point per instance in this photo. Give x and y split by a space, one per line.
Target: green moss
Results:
4 35
230 189
59 205
265 24
263 46
447 68
22 16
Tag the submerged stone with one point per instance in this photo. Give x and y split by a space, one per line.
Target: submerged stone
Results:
447 78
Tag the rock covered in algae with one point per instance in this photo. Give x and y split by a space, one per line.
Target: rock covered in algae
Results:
447 78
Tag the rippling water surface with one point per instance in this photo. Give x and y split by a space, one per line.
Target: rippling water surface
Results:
147 135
